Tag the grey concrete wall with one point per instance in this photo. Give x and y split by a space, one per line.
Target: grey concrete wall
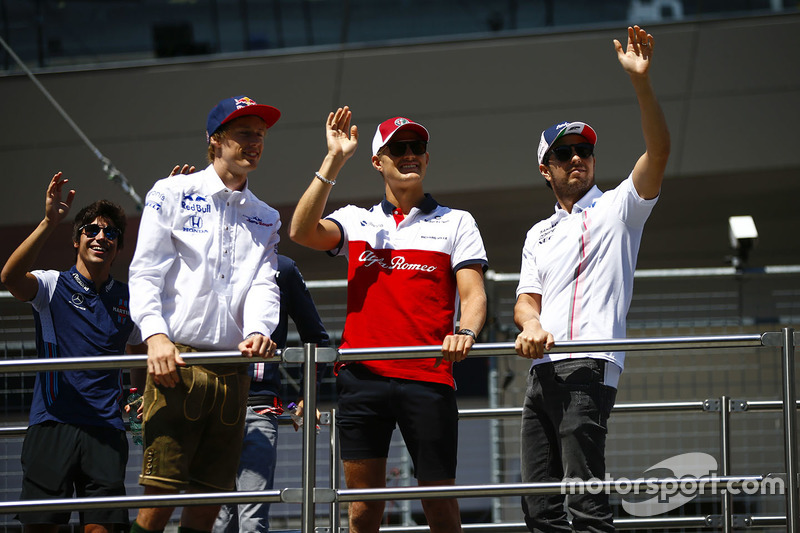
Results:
730 90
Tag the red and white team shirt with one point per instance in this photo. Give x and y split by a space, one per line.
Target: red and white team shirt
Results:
401 280
582 263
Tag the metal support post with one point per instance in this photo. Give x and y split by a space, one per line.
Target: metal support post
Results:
725 460
790 431
336 520
494 440
309 435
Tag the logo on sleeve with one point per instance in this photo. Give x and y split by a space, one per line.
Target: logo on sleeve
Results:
257 221
154 200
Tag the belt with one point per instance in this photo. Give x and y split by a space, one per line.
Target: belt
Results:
611 371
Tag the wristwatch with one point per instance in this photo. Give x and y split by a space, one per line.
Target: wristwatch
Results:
465 331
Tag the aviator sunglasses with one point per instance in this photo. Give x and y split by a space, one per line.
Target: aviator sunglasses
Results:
564 152
93 230
398 148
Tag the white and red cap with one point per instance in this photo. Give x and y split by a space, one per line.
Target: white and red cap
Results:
388 128
555 132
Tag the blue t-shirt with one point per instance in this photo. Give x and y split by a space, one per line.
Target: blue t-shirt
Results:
75 320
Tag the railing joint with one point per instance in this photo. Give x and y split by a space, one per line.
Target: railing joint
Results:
296 354
773 338
292 495
324 495
712 405
737 406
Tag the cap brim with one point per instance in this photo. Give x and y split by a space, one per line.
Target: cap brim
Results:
267 113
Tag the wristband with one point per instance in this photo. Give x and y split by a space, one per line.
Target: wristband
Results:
469 332
323 180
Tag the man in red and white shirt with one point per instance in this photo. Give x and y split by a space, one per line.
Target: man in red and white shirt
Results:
412 265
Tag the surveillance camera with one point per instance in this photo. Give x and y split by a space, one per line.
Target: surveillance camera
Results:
742 232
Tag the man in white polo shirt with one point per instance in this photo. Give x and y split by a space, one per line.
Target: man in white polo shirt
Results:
576 283
410 262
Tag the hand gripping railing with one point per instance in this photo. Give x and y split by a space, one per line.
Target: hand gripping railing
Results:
308 495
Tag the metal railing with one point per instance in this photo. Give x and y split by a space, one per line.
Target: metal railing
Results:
310 494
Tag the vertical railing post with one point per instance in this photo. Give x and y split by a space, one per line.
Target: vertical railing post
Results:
495 460
495 428
335 475
725 456
790 431
309 434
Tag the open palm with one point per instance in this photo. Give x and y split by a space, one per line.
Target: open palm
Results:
635 58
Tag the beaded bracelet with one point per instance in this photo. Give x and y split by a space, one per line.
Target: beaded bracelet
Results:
323 180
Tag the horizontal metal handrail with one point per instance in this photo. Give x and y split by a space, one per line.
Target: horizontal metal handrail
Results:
519 489
125 361
649 524
351 495
561 347
515 412
403 352
135 502
283 420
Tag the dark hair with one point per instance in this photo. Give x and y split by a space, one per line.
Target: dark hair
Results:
102 209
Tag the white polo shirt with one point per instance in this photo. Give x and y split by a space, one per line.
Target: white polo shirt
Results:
401 280
204 268
582 263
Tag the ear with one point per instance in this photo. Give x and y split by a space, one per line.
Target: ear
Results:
545 171
376 163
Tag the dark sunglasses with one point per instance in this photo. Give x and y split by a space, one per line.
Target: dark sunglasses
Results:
93 230
398 148
564 152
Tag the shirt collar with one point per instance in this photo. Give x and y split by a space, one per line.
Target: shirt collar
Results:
586 201
427 205
212 184
88 284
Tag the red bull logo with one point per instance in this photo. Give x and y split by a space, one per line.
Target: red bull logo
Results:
244 102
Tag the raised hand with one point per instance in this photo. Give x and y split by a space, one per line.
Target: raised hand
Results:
56 208
638 54
341 136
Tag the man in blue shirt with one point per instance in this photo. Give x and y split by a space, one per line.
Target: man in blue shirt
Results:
76 437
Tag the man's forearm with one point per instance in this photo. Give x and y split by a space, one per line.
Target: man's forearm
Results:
654 124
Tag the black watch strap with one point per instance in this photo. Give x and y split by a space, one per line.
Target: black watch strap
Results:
465 331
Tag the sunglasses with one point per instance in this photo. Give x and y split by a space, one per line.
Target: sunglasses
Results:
564 152
398 148
93 230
